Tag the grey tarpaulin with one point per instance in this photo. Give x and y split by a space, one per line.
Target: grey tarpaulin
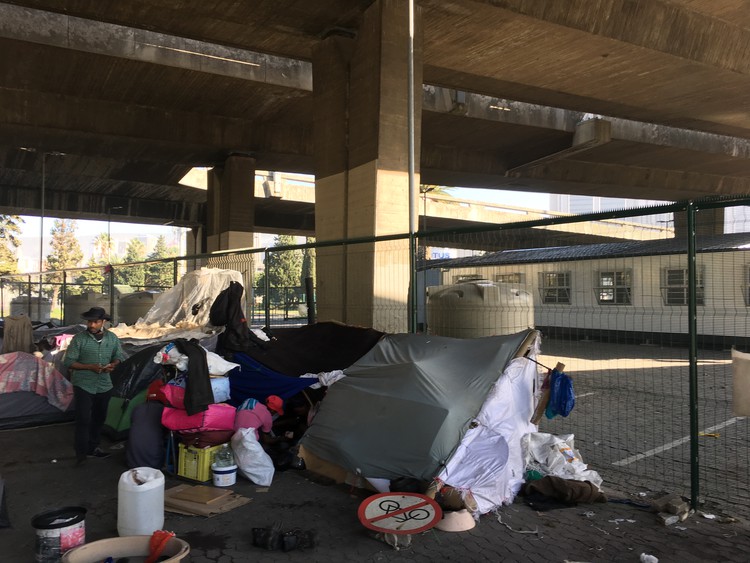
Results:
404 406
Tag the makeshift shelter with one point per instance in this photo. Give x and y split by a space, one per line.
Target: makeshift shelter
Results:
315 348
32 392
431 408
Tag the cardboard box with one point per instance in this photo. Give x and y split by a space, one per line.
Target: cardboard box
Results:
195 463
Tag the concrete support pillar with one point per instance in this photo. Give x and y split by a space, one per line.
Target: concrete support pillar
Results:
231 204
361 141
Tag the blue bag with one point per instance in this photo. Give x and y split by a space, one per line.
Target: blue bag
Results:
562 398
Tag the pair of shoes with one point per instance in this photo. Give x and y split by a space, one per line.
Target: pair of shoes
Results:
98 453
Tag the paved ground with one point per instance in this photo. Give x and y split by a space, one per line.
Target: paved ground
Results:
37 465
632 420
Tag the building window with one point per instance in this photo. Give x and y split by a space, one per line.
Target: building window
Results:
554 287
674 287
461 278
516 277
615 288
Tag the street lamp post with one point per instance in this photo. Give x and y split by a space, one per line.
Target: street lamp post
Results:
109 231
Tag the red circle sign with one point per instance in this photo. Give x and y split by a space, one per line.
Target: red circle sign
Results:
399 513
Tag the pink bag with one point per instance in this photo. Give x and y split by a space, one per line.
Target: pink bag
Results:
175 396
217 417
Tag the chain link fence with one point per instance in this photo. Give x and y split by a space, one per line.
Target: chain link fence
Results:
643 316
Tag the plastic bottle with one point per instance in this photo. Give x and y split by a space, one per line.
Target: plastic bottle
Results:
224 457
140 502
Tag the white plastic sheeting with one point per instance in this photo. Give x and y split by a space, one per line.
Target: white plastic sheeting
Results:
189 302
489 460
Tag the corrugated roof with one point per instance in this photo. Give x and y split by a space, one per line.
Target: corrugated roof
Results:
713 243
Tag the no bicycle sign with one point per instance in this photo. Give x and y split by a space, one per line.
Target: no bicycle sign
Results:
399 513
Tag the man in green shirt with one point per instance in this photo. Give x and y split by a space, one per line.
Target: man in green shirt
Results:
91 356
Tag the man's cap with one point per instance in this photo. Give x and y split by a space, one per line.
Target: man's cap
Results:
96 314
275 403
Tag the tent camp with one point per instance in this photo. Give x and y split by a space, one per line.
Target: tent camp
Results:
32 392
433 408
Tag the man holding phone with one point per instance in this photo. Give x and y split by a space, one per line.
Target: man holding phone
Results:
91 357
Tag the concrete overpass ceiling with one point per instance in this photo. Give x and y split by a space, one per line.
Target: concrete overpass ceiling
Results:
135 107
647 60
100 77
290 30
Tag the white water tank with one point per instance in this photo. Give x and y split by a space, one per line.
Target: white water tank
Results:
132 307
40 311
479 308
75 305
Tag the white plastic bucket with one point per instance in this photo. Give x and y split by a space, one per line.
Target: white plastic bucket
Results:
224 476
58 531
140 502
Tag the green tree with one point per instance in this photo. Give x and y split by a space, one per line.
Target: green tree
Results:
66 252
134 276
92 279
103 248
10 232
162 273
284 269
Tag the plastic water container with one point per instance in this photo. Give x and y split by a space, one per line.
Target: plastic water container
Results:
140 502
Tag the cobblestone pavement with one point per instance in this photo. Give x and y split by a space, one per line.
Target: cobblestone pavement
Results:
632 420
37 465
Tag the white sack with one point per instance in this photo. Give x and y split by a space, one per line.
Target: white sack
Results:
556 455
252 461
218 365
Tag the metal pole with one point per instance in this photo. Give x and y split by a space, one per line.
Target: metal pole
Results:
267 289
109 236
693 357
41 239
412 184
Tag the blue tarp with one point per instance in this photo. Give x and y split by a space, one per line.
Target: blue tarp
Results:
253 380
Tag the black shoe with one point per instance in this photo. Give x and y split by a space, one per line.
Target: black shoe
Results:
80 460
98 453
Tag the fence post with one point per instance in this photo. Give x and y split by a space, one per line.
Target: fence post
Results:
310 300
112 293
267 289
28 303
62 296
693 356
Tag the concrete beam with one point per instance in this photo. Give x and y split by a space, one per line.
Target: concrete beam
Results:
196 139
95 206
91 36
499 110
587 178
656 25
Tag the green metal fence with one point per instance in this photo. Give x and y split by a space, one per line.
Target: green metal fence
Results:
643 306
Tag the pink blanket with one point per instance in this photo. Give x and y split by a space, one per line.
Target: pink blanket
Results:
20 371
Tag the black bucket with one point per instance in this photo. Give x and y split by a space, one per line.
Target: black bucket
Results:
58 531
